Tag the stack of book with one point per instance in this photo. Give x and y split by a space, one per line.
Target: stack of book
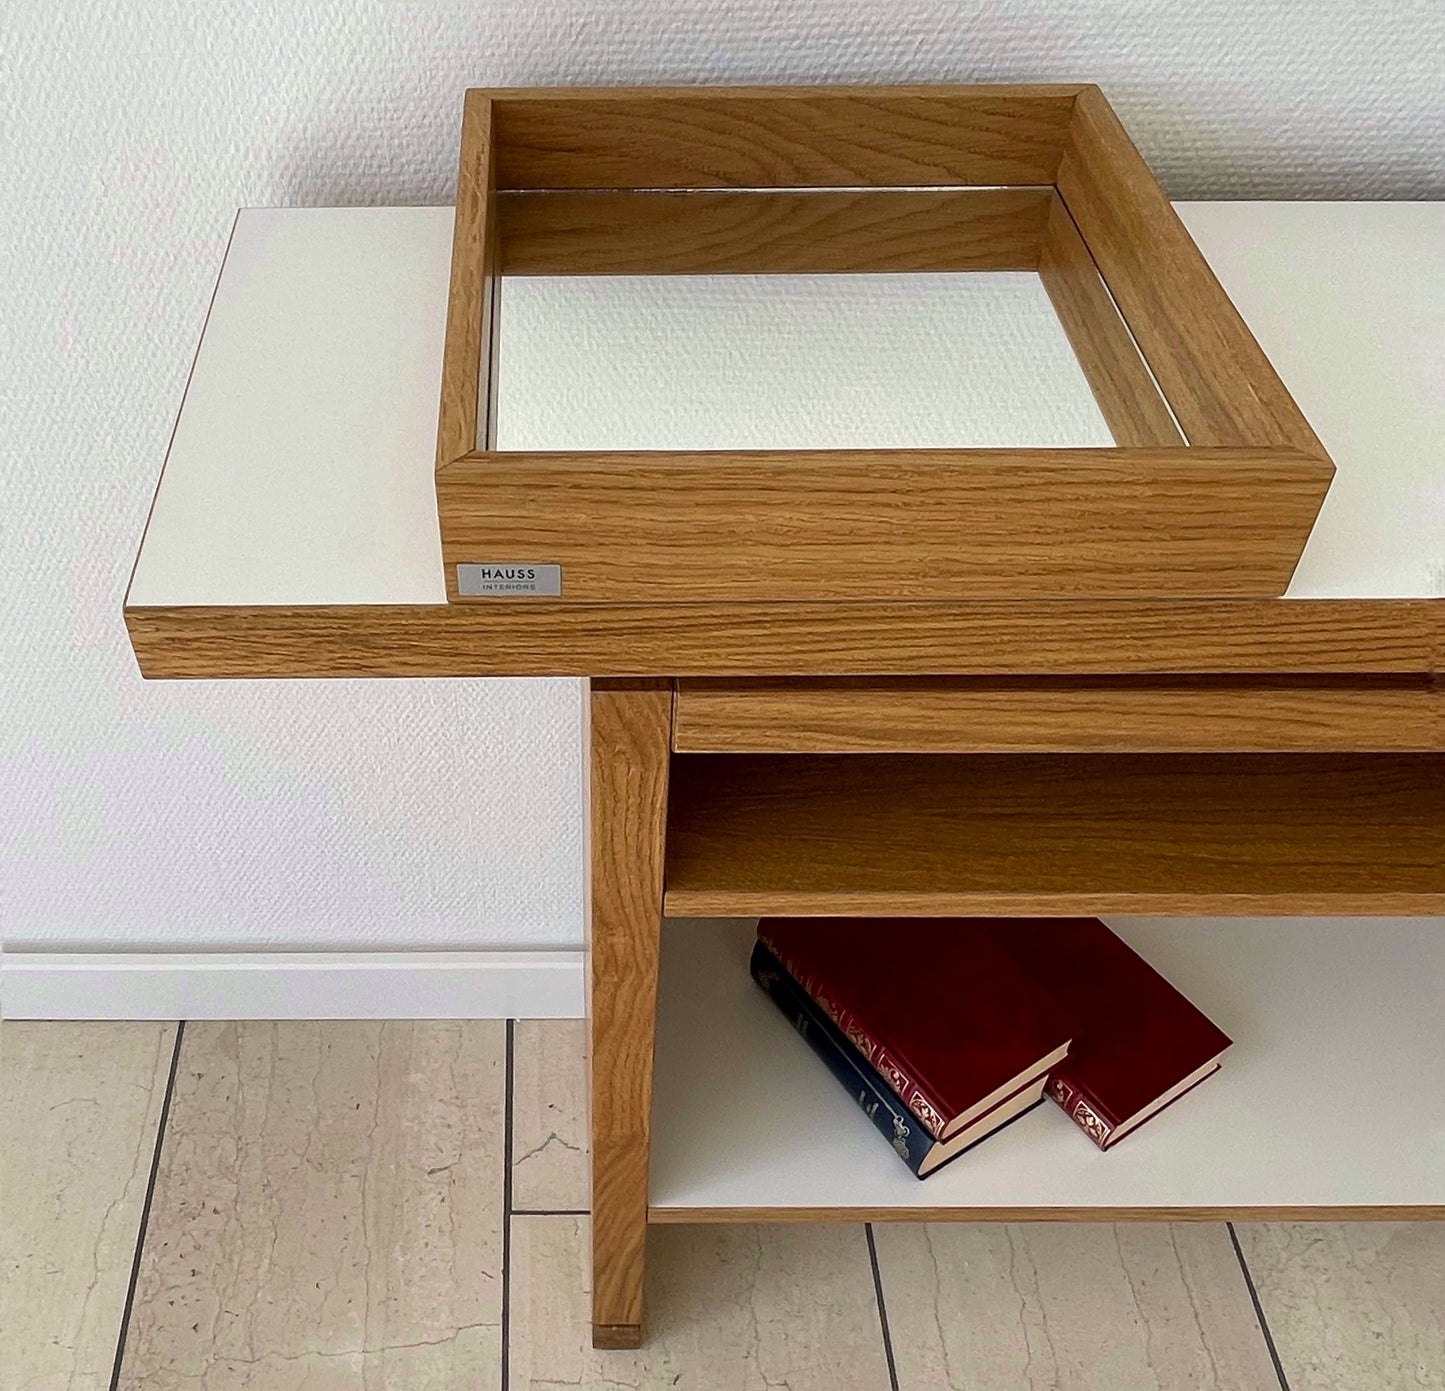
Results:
944 1031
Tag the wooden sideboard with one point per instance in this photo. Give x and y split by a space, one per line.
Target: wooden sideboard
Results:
1252 790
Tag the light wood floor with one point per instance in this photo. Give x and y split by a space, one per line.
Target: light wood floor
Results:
271 1207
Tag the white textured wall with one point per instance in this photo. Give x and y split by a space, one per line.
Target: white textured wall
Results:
438 813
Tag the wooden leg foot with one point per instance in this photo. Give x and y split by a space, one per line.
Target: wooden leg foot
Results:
616 1335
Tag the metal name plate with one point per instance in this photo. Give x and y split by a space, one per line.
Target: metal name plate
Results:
510 580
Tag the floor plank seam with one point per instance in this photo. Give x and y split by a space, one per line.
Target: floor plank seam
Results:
1258 1309
145 1212
882 1307
507 1091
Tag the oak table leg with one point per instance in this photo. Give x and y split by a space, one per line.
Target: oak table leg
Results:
631 732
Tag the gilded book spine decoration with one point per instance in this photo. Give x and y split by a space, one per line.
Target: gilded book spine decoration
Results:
890 1117
1078 1110
924 1107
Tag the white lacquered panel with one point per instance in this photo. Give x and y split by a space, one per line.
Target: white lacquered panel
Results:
301 471
1325 1100
302 468
878 361
1348 301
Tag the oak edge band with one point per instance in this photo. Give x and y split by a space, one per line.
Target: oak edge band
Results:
539 638
673 1216
690 902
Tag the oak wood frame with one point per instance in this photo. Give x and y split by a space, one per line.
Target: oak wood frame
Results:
1213 497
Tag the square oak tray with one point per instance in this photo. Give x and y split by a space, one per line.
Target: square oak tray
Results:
1211 492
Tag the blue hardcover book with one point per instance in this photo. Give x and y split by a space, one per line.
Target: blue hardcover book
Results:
891 1118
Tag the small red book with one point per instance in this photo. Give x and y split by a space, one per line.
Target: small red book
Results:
953 1021
1138 1043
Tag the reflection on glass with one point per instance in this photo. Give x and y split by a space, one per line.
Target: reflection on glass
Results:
836 361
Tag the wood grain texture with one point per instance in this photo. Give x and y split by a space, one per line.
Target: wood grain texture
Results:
890 524
1063 715
465 418
1136 414
525 637
1025 834
595 233
1304 1213
630 734
779 137
1220 384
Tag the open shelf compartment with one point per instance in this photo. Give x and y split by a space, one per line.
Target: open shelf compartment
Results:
1325 1106
1056 834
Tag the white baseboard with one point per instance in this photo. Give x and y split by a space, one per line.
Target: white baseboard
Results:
495 984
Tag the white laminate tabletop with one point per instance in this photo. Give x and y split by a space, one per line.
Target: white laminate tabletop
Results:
301 471
1348 301
301 468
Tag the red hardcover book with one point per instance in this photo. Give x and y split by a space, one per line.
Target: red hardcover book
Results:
952 1020
1138 1043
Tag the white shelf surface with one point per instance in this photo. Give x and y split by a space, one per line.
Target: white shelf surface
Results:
301 468
1329 1097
